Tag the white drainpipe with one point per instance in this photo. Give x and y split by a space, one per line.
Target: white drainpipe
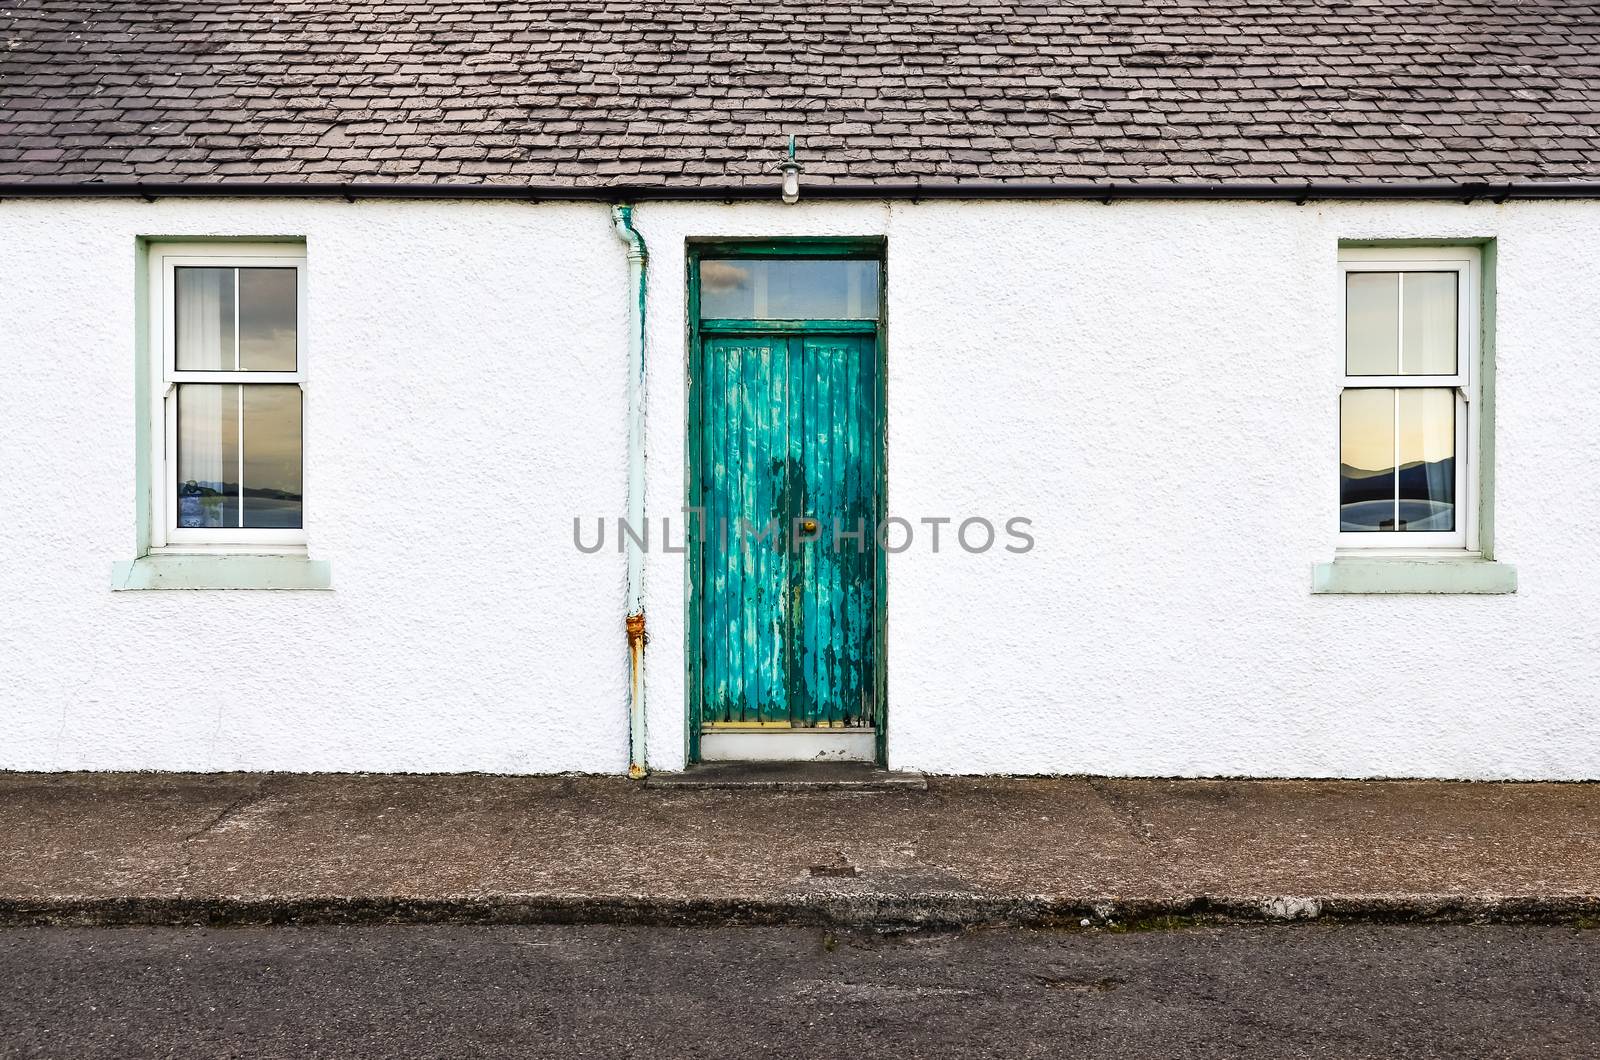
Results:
622 220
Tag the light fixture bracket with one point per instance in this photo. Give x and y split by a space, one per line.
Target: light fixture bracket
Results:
790 167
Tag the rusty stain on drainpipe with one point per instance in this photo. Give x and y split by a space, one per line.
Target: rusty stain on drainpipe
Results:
637 638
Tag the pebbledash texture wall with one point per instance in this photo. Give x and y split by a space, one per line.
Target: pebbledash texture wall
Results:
1155 385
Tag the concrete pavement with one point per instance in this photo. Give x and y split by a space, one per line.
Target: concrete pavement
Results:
168 848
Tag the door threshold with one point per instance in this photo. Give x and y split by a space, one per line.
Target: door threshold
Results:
790 776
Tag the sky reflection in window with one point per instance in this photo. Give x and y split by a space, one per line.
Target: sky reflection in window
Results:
788 289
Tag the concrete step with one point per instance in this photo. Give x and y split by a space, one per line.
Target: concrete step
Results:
790 776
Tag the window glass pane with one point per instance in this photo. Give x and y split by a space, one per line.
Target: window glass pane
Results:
208 455
272 464
1429 334
267 320
788 289
1366 460
1427 459
203 326
1372 323
210 492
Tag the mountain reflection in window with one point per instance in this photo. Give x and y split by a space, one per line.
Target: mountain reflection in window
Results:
239 456
788 289
1397 460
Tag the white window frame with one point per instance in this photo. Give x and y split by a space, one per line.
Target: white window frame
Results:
164 258
1466 262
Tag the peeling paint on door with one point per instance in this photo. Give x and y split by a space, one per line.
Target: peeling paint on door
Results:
784 564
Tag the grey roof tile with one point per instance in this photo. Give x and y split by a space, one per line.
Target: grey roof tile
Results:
588 92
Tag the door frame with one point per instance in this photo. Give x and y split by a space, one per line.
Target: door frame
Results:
868 248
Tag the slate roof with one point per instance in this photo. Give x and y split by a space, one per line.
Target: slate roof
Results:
585 92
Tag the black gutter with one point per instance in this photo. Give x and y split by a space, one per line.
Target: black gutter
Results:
1471 191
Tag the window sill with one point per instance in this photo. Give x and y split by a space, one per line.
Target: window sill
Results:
1376 575
235 571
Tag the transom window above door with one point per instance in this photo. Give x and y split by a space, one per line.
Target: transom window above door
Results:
788 289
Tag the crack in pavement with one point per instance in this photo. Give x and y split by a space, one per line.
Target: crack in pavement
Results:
1128 811
231 810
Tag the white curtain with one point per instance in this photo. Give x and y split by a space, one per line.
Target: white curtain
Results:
204 343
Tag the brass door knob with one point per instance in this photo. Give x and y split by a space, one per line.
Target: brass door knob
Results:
809 526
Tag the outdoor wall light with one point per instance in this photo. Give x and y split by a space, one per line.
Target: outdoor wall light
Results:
790 169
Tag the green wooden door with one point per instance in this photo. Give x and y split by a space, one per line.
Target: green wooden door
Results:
784 611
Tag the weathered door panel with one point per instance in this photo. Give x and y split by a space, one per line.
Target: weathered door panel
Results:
745 604
787 432
835 416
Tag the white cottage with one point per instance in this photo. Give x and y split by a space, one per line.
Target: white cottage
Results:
1098 388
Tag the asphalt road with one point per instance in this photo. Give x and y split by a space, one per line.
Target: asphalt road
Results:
1280 991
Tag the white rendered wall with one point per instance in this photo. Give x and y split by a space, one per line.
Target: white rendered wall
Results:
1153 384
465 399
1156 386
